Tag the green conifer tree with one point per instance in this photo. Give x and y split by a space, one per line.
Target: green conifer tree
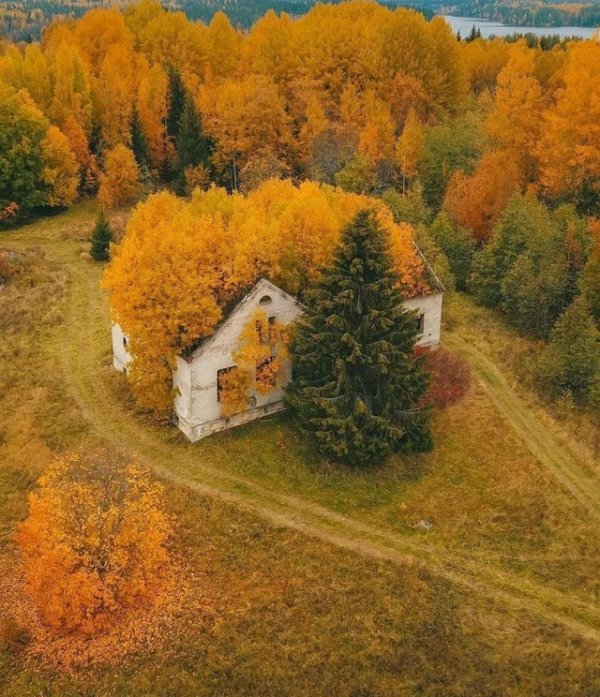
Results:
102 236
457 244
193 147
176 102
356 381
139 144
571 362
590 282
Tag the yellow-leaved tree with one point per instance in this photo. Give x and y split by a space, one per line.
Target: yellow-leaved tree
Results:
515 118
569 149
119 183
259 361
410 148
94 545
60 172
181 263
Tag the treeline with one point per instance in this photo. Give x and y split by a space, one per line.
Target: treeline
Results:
546 42
24 20
355 95
528 14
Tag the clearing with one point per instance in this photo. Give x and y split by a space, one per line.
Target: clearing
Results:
499 596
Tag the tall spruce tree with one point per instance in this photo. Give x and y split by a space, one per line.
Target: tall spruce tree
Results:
102 236
571 361
356 381
139 144
176 102
193 147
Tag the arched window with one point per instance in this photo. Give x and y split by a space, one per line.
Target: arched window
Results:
265 300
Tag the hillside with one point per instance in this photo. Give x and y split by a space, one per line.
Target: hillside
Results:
305 576
24 20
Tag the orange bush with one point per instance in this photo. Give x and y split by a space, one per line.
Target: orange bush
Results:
94 544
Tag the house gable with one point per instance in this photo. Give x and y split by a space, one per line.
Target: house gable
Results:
196 378
251 300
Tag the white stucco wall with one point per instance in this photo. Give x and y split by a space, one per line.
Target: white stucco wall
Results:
198 410
430 306
195 379
121 357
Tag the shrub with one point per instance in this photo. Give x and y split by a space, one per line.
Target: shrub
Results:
449 378
93 546
102 236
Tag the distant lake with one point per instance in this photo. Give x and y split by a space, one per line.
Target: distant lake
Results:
488 28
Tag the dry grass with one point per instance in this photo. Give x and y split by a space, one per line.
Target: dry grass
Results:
274 611
486 329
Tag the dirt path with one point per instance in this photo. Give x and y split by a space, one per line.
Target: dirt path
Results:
84 351
87 344
564 466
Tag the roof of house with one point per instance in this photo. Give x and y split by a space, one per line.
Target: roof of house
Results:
433 280
264 285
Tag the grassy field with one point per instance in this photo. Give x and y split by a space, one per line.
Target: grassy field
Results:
308 577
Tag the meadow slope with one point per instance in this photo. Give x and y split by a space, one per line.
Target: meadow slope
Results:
506 580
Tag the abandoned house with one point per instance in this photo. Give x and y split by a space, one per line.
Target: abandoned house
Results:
201 374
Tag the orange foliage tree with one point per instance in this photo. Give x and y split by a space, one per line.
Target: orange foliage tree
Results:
119 183
476 201
180 263
410 148
94 544
515 118
569 150
60 172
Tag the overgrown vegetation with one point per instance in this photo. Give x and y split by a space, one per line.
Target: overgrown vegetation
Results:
260 585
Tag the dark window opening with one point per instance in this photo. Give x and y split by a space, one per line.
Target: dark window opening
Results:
220 379
272 333
124 341
260 332
420 323
265 300
264 373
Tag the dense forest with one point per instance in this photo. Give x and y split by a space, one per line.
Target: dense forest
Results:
24 20
490 150
529 13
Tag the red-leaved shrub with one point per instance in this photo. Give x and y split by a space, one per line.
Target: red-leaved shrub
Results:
450 377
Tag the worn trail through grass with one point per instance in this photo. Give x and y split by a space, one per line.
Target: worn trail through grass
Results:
86 345
558 460
81 349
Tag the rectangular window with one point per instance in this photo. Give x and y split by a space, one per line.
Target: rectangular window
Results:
272 332
265 375
420 323
260 332
221 376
